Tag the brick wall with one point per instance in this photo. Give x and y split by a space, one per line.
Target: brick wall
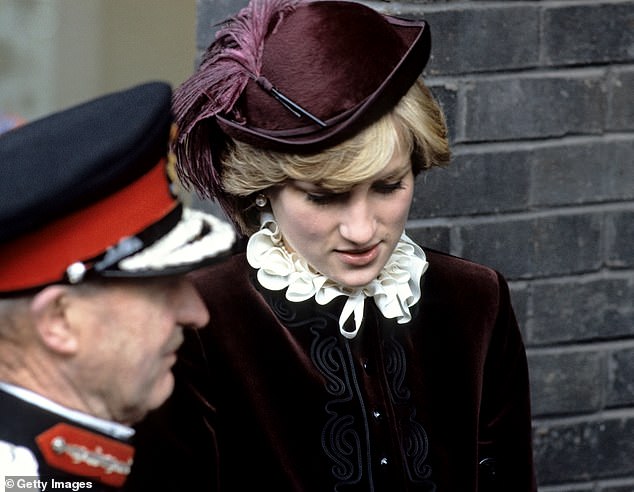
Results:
539 97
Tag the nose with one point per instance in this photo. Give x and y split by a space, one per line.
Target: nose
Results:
358 221
190 308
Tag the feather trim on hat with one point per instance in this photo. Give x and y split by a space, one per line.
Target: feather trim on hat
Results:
232 60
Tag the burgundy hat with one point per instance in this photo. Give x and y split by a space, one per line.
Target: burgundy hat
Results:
294 76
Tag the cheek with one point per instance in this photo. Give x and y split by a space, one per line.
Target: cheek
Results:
298 220
148 329
400 207
393 214
404 206
308 226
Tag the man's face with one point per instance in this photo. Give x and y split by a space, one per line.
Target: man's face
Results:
129 333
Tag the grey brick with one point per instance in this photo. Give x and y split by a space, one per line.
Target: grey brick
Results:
583 172
574 487
621 384
622 487
474 184
620 176
569 382
543 246
620 239
620 114
585 450
581 34
477 40
531 107
506 181
435 237
577 487
584 310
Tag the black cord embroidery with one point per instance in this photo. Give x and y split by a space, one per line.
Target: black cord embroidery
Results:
414 438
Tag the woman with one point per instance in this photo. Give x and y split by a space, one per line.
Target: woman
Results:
342 356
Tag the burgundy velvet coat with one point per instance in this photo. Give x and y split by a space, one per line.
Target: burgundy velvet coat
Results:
271 396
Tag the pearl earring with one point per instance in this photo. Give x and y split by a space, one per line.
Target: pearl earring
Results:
261 200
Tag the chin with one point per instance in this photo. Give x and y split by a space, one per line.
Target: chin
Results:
358 279
161 392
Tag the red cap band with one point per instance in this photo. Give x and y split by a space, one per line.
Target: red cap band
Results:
42 256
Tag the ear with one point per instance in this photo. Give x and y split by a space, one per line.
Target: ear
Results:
49 311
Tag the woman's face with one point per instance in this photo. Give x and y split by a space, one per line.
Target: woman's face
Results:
347 236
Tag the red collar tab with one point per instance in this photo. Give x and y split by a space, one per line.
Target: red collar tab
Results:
86 454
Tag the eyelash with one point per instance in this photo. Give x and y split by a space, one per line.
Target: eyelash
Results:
387 188
328 198
325 199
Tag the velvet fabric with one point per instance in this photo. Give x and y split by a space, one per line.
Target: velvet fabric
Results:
271 396
342 62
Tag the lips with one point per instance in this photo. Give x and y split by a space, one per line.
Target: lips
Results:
175 342
359 257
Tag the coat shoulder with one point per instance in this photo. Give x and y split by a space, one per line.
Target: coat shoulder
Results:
456 270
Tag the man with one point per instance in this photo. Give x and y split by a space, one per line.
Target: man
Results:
93 302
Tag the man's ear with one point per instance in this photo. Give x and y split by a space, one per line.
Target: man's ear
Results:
49 311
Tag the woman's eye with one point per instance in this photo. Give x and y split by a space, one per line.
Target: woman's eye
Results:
323 198
387 188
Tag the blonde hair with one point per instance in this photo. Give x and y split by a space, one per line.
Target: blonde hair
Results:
416 124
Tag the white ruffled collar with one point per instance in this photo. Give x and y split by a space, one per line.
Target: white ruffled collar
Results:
394 291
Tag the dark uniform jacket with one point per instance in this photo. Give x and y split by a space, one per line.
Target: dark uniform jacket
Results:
270 396
66 452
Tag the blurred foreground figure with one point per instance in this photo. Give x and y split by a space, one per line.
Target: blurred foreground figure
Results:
93 297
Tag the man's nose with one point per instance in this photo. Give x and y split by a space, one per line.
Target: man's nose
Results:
191 310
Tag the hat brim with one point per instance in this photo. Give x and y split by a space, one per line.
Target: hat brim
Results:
194 240
312 137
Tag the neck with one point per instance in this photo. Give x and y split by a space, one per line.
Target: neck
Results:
278 269
51 379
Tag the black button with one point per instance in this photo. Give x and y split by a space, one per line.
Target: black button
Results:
384 461
378 416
